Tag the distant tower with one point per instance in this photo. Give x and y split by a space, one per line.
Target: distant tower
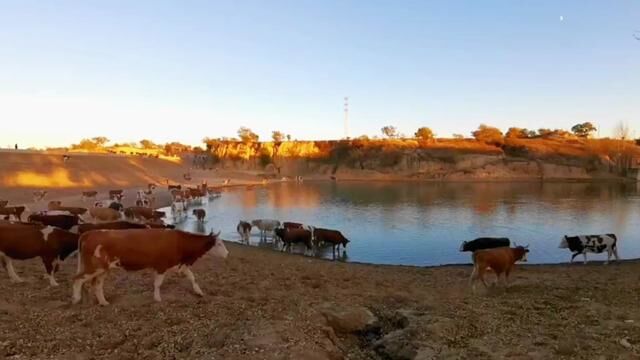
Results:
346 117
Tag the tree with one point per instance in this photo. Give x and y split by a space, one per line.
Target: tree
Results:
518 133
458 136
246 135
389 131
288 137
277 136
148 144
584 130
100 140
424 133
622 131
488 134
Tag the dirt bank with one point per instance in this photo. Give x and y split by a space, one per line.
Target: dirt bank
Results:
267 305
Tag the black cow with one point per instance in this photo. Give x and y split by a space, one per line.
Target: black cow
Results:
484 243
65 222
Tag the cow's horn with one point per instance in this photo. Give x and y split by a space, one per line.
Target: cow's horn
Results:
526 246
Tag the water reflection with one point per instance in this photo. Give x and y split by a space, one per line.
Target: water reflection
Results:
423 223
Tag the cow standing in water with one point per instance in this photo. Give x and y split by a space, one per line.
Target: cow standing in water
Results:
244 229
133 250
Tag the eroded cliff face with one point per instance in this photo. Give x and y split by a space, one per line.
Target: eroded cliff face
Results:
405 160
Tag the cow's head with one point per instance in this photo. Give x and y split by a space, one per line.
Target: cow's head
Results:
564 243
462 246
521 252
218 250
345 241
256 222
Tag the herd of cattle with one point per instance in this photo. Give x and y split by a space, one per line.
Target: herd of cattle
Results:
108 236
497 255
290 233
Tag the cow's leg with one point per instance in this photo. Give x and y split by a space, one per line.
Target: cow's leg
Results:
481 271
99 289
609 253
584 254
506 278
472 278
615 251
189 274
50 267
157 282
573 257
79 280
11 271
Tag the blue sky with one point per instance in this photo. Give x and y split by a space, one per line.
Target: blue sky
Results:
183 70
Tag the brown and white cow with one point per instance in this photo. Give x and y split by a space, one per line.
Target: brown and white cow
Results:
292 225
89 195
26 241
142 214
500 260
117 225
15 211
39 195
105 214
133 250
114 194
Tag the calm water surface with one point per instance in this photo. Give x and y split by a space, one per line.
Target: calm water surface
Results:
424 223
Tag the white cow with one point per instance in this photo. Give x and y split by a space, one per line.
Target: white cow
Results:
265 225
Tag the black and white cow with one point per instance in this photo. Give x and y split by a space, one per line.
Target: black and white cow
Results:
484 243
582 244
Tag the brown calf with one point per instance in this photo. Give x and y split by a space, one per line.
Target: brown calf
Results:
134 250
3 203
500 260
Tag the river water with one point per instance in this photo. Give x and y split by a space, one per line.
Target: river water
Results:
413 223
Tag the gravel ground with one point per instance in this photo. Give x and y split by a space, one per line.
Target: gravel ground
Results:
261 304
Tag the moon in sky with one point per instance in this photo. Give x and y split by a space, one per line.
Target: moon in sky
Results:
561 18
